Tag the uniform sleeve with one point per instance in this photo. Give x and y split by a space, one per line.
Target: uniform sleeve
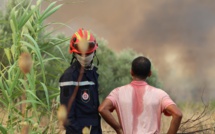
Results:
165 102
113 97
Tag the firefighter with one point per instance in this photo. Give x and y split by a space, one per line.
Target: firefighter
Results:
83 112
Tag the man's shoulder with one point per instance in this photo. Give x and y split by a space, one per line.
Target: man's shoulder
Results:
69 73
70 69
156 90
123 87
95 68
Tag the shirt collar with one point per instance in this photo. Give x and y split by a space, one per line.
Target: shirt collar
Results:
141 83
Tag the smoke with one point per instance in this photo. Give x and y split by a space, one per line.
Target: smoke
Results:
177 35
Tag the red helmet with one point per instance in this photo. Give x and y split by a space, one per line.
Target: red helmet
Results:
78 36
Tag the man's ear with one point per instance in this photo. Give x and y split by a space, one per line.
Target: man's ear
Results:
131 72
150 73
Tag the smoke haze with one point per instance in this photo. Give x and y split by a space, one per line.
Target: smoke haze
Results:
177 35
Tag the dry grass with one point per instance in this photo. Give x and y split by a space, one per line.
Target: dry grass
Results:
196 119
197 116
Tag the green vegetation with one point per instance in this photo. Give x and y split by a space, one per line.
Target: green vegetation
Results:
23 31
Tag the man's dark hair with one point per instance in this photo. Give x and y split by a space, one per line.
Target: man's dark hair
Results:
141 67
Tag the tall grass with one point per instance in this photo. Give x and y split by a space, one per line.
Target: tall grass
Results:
17 88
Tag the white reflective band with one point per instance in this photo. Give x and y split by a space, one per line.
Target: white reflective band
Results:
73 83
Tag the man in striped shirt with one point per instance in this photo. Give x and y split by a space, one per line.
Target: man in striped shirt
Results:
138 105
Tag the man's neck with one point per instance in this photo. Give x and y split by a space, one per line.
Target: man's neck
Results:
138 79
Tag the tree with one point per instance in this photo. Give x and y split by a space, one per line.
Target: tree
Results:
114 69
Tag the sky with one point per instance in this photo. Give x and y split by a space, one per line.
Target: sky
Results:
177 35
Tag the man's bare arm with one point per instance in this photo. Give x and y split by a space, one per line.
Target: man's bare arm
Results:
105 111
176 118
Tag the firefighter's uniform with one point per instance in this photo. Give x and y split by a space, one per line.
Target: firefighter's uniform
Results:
84 110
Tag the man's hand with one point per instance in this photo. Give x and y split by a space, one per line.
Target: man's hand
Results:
119 131
105 110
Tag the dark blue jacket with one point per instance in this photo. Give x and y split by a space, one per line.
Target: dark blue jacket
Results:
84 110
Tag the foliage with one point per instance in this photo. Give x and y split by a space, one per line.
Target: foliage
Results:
23 31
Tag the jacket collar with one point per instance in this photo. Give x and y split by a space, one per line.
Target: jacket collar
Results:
78 66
